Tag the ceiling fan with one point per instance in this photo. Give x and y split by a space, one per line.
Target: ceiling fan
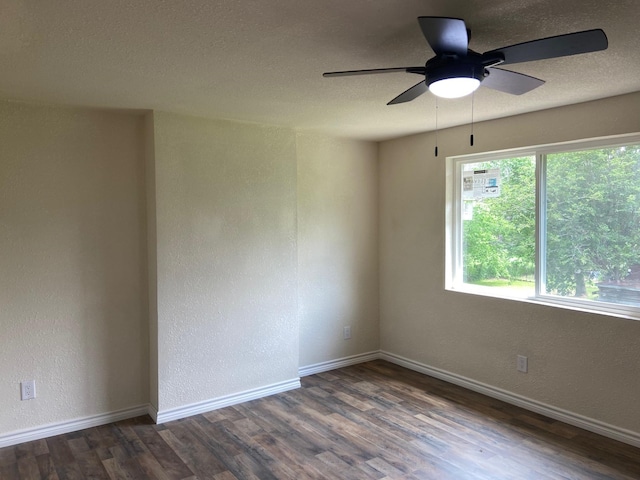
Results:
456 71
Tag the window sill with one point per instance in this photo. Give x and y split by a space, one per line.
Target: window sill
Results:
625 312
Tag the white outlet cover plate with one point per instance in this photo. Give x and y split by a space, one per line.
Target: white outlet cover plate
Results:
523 364
28 390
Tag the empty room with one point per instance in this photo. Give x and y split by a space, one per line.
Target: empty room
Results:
329 240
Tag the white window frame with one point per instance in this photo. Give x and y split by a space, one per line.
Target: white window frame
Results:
453 231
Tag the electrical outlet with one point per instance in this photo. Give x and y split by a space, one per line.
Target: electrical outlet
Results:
523 364
346 333
28 390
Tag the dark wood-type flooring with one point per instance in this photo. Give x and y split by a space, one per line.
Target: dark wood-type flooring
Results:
370 421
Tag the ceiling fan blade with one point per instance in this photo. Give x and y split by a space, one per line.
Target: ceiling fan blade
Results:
510 82
445 35
410 94
552 47
347 73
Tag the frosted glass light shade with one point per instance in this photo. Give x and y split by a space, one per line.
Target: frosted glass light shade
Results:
454 87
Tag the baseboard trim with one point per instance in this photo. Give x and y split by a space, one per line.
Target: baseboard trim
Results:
225 401
153 413
338 363
586 423
59 428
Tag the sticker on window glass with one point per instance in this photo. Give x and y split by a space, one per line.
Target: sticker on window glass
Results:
479 184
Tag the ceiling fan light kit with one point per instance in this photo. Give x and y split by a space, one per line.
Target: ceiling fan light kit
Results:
455 80
454 87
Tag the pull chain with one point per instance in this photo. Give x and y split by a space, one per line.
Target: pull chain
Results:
473 96
436 150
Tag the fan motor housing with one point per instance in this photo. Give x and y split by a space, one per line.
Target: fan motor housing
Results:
442 67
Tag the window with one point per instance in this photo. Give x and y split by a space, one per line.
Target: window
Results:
559 224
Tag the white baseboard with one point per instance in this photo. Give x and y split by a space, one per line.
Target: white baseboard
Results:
338 363
595 426
153 413
59 428
220 402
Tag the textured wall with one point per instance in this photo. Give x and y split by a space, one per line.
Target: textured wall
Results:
152 255
226 258
72 297
337 247
581 362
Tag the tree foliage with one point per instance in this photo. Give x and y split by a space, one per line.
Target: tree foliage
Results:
592 220
499 241
593 217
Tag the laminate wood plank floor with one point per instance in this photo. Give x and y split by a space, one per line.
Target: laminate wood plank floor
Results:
375 420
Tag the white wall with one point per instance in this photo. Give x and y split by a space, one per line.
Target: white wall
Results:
226 258
263 249
72 266
152 255
154 259
584 363
337 247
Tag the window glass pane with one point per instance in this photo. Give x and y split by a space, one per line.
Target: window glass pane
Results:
498 226
593 225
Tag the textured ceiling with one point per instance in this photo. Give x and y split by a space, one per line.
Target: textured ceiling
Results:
262 60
